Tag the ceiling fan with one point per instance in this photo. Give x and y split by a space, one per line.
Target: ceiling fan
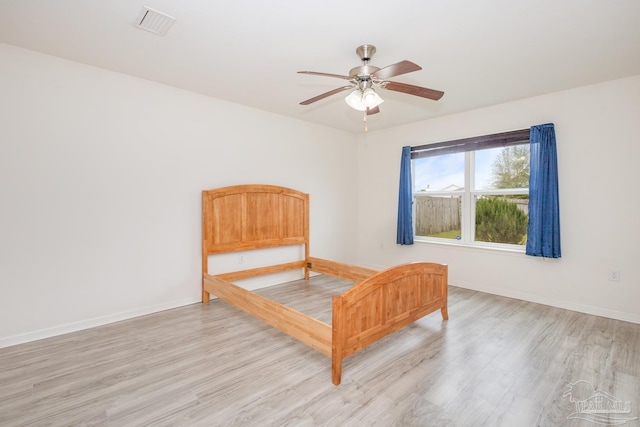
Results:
363 81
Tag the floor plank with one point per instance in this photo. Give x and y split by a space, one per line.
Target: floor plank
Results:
496 362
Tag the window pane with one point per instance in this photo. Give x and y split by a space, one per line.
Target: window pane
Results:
439 173
502 167
438 216
502 219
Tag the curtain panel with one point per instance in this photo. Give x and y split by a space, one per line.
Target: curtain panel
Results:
405 200
543 232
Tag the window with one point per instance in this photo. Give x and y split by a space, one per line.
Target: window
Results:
473 191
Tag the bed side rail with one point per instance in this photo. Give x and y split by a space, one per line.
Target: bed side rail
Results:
310 331
338 269
261 271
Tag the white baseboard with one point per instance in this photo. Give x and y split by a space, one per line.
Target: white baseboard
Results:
104 320
524 296
91 323
567 305
111 318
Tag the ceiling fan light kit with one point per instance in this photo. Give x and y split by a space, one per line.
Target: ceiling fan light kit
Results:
354 100
365 78
362 100
370 98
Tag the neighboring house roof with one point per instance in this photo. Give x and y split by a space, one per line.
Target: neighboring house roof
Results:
452 187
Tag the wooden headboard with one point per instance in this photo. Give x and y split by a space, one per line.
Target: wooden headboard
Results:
254 216
246 217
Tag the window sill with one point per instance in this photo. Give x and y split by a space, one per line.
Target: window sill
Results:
507 249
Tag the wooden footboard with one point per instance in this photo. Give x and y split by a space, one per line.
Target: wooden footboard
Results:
384 303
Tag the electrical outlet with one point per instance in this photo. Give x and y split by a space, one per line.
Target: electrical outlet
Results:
614 275
241 259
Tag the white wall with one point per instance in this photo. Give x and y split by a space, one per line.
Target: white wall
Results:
101 173
100 181
598 141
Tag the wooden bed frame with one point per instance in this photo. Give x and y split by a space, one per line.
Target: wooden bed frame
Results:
247 217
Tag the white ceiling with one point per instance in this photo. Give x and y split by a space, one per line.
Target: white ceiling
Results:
248 51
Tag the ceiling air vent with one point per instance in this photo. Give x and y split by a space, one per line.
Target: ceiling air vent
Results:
154 21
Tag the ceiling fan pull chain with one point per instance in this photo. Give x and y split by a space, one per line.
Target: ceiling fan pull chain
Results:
364 119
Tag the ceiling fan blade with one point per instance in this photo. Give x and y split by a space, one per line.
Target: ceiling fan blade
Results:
325 74
402 67
374 110
326 94
414 90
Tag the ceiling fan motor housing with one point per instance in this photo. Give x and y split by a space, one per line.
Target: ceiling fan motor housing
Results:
364 71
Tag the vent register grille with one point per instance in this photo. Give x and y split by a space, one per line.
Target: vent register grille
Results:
154 21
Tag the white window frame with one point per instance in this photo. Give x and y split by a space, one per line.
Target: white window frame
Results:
468 214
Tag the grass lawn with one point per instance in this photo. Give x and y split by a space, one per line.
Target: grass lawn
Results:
451 234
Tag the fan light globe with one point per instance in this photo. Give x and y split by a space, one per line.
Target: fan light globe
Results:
370 98
354 100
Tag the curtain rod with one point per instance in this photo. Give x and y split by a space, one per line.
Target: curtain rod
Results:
514 134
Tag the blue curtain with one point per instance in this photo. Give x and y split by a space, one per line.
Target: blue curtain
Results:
405 200
543 232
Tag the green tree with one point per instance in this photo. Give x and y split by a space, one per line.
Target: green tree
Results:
500 221
511 167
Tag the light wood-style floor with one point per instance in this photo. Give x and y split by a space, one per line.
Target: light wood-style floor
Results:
496 362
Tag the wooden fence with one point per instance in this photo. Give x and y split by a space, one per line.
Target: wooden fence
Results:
523 204
437 214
